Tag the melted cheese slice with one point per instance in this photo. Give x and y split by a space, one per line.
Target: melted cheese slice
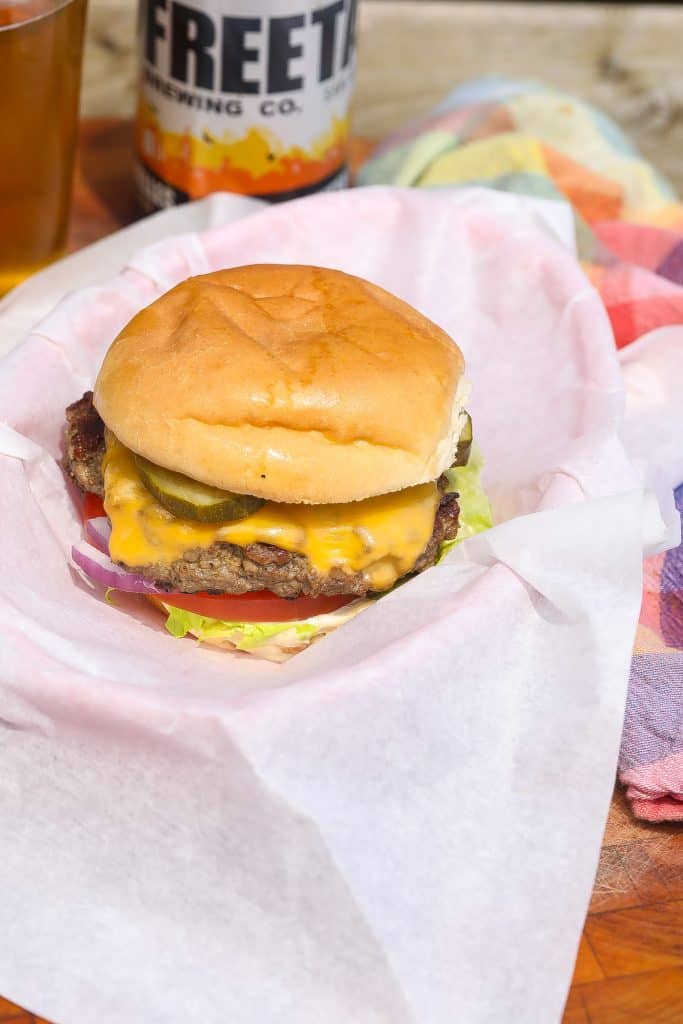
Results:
381 537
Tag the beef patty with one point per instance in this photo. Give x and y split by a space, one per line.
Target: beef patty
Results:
84 445
228 568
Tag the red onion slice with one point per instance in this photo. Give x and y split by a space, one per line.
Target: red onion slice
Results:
98 532
99 567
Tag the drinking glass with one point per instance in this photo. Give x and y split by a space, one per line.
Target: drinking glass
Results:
41 46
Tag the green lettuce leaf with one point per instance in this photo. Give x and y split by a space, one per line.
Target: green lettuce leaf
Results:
475 509
277 640
272 640
244 635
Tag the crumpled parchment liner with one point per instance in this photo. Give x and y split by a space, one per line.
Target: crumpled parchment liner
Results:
403 822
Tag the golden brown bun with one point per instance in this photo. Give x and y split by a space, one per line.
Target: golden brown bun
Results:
294 383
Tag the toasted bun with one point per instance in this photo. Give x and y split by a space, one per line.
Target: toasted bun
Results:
293 383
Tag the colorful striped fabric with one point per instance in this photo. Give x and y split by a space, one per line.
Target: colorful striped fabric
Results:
522 137
651 757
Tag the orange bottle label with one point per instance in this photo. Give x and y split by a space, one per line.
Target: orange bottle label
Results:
243 96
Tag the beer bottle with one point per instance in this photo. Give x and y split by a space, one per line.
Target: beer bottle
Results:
247 96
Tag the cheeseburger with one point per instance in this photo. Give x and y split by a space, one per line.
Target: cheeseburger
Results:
266 449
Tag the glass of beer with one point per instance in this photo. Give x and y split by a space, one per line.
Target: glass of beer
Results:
41 45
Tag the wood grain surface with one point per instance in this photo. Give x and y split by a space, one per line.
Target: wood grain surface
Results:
629 967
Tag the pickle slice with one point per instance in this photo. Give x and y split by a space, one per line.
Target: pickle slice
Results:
190 499
462 452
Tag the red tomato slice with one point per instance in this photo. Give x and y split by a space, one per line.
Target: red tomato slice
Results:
93 507
256 606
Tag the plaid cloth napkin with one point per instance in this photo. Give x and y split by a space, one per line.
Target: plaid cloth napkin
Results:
525 138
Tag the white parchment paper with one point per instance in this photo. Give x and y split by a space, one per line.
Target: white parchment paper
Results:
401 824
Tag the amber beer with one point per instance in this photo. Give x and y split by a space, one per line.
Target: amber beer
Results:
40 63
247 96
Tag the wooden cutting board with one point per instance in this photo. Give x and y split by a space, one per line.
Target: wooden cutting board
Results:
629 968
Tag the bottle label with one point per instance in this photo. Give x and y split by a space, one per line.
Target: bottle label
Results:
243 96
